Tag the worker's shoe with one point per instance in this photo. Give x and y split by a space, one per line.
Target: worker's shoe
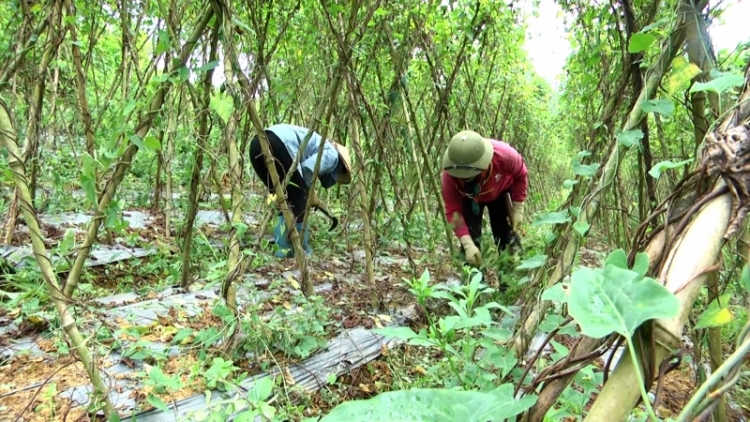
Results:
281 235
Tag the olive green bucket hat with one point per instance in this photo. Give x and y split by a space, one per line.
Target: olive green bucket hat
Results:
468 154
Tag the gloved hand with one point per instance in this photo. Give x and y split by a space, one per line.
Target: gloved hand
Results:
473 256
517 216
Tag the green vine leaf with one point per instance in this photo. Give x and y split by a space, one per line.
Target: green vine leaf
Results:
640 42
659 167
719 85
619 300
434 405
663 107
629 138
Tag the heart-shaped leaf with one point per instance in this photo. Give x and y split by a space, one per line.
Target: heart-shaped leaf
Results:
585 170
720 84
581 227
535 261
682 73
560 217
659 167
629 138
434 405
617 300
663 107
717 313
640 42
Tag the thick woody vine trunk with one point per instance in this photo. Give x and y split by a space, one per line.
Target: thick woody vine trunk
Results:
202 136
609 171
67 320
127 158
31 148
364 199
169 210
699 54
235 174
696 251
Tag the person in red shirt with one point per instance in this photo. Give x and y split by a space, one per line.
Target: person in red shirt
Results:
477 174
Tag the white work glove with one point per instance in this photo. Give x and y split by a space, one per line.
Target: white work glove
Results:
473 256
517 216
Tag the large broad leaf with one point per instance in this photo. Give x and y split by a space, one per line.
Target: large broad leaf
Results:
223 105
640 42
682 73
659 167
535 261
434 405
559 217
716 314
617 300
629 137
585 170
720 84
663 107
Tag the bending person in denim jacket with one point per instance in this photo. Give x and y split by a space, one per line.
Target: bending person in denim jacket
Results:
285 141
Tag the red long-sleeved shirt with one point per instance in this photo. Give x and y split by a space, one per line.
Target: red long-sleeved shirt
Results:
507 170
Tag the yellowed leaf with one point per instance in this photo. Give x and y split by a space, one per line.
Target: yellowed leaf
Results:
34 319
724 316
271 198
419 370
377 322
288 378
287 305
682 73
293 282
386 318
365 388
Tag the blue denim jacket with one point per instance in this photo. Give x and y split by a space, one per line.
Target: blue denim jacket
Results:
292 136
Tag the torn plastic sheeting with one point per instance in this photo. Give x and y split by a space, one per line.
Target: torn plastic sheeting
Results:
79 394
147 311
100 255
144 312
137 219
360 255
23 344
350 350
129 298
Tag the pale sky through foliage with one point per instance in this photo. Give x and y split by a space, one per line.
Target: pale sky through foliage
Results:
548 46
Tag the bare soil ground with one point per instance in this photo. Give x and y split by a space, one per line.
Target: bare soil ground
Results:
28 385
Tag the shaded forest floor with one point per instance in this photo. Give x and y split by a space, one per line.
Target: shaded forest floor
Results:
40 381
